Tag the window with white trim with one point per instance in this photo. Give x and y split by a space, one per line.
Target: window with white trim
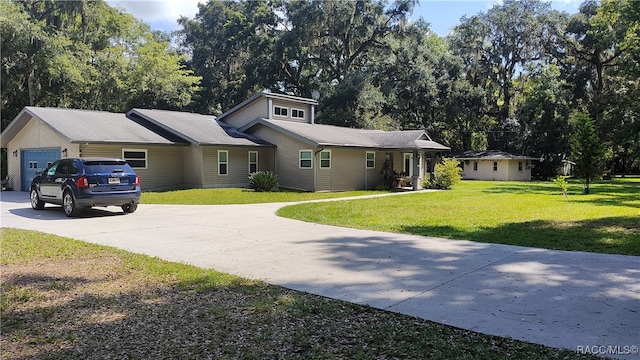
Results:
306 159
475 166
253 162
137 158
280 111
325 159
495 166
223 162
519 166
297 113
370 159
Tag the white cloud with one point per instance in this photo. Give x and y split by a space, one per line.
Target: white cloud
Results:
159 14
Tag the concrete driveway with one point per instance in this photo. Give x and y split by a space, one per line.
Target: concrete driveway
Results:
579 301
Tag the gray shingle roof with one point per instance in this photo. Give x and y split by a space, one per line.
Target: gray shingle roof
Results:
407 139
488 155
80 126
198 129
329 135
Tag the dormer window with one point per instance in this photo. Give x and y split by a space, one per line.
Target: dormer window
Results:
281 111
297 113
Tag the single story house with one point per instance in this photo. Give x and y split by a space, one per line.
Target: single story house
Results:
173 149
39 136
494 165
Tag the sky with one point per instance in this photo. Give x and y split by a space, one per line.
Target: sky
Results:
443 15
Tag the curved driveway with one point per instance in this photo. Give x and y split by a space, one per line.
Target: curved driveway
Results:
564 299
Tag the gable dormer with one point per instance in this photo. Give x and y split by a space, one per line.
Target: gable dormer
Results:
265 105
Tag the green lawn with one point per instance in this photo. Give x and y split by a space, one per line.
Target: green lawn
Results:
532 214
67 299
226 196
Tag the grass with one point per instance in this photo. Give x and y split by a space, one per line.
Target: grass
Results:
225 196
533 214
66 299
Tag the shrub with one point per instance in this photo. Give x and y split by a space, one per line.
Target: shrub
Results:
562 183
263 181
390 177
447 174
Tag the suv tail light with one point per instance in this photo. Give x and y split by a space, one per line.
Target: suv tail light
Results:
82 182
137 181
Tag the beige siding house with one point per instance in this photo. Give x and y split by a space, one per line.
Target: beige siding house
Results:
173 149
39 136
218 155
318 157
494 165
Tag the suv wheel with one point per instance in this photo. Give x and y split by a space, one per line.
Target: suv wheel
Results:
69 204
36 203
129 208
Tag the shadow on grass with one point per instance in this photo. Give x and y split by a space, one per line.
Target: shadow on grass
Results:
607 193
614 235
522 188
615 193
116 316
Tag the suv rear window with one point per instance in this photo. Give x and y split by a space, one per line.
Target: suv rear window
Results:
108 166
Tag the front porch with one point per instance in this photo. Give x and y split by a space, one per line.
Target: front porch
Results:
412 166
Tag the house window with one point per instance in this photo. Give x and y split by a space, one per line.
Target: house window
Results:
297 113
371 159
253 162
281 111
495 166
475 166
136 158
520 166
223 162
306 159
325 159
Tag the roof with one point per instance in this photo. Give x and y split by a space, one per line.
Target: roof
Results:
85 126
488 155
197 128
406 139
329 135
262 94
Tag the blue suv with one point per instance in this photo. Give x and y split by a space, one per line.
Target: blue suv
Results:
81 183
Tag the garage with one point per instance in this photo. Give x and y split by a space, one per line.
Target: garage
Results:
34 161
39 136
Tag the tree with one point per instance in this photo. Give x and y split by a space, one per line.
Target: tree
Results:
586 149
295 47
543 113
87 55
494 47
229 44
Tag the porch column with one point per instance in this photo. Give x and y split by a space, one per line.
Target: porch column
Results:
416 169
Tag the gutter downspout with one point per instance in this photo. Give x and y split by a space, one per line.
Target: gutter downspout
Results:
416 169
316 160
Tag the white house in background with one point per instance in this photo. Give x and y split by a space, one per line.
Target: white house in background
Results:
494 165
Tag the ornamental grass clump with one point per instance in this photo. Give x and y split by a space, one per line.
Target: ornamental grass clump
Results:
263 181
